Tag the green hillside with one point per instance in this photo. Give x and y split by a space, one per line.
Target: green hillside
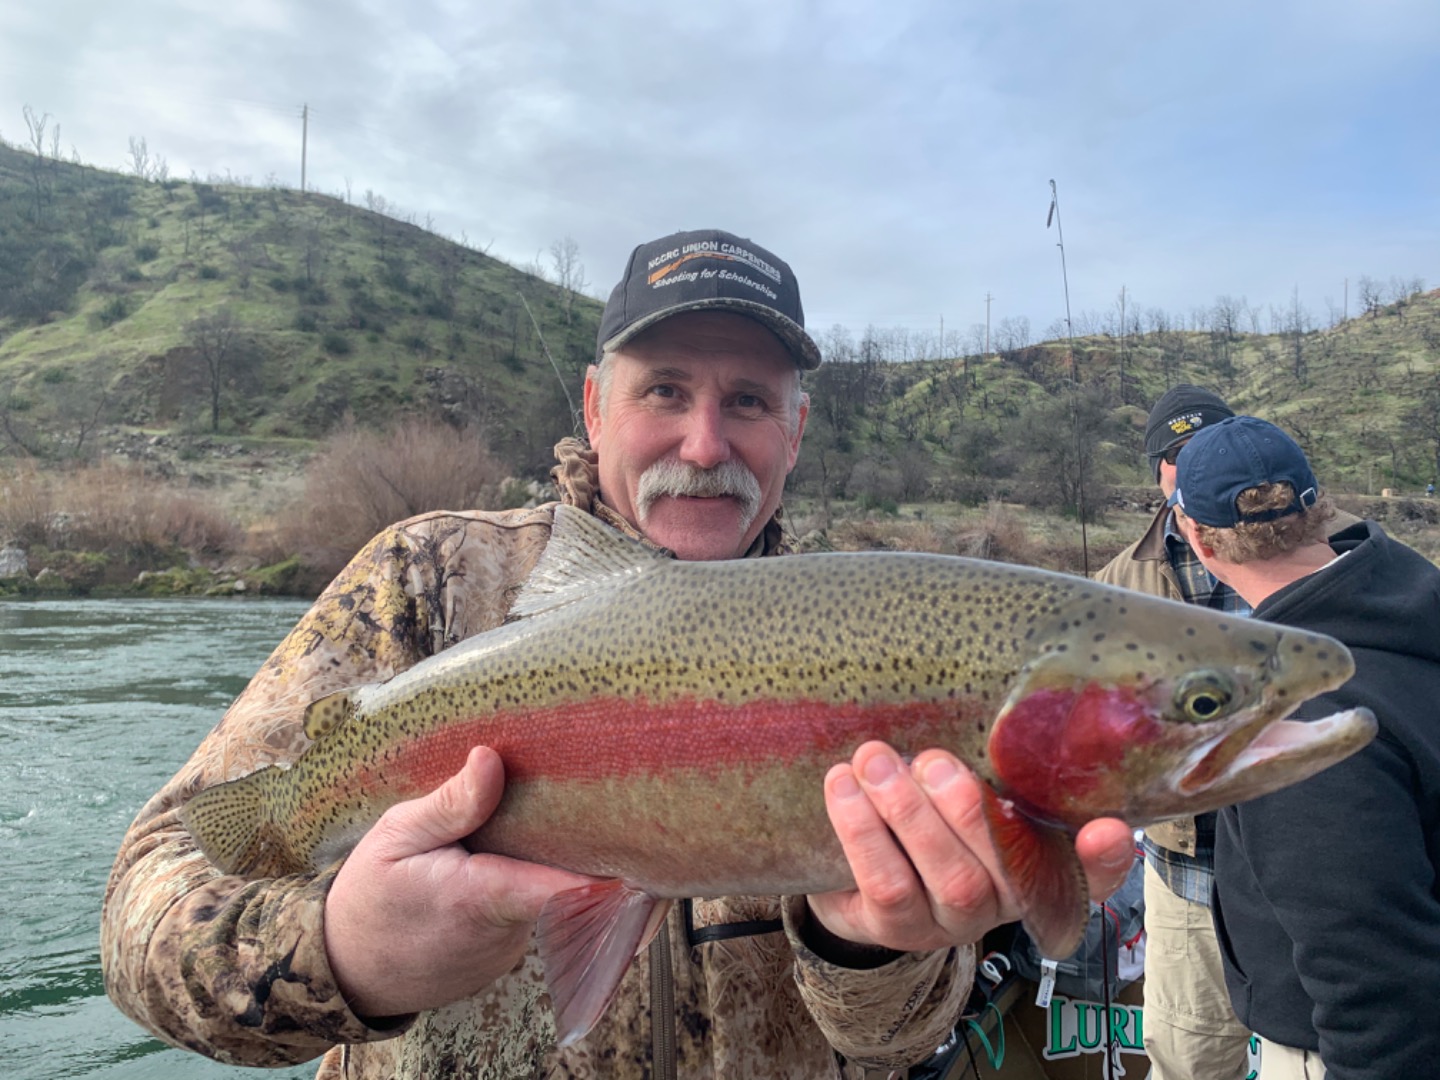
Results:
133 309
261 313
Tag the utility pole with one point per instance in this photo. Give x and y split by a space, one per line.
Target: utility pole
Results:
1345 312
304 140
988 298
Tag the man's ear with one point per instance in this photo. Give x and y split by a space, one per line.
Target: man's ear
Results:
592 404
799 431
1191 531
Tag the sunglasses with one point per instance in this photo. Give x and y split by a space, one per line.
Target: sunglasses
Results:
1171 453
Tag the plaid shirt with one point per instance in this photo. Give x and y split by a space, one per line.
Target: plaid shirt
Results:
1186 876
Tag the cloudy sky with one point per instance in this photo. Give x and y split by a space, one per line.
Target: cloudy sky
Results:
897 154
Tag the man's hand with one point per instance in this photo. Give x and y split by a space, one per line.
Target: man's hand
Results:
926 872
414 921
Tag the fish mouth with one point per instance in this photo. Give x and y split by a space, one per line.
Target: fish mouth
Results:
1266 754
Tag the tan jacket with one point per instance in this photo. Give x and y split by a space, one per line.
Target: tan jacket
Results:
237 969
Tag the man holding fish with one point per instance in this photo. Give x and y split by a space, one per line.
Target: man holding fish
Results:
505 751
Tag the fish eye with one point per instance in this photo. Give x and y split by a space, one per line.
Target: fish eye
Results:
1204 695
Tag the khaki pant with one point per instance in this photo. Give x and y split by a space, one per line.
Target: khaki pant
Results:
1191 1032
1289 1063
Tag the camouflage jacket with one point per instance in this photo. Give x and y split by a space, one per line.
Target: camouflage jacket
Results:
237 970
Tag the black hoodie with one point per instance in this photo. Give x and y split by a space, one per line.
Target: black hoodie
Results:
1327 894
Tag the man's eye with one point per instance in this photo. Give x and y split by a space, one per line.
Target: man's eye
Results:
750 401
663 390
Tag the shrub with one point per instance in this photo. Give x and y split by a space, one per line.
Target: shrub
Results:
119 510
336 344
306 322
362 481
115 309
146 252
209 273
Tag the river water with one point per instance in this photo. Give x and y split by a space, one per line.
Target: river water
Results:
100 703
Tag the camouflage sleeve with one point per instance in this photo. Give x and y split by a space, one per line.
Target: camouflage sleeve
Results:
887 1017
237 969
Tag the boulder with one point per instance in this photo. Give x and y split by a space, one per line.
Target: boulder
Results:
14 563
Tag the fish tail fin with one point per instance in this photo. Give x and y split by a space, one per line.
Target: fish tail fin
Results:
587 938
232 825
1041 865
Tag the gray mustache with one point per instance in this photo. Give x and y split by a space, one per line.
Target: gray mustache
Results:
676 479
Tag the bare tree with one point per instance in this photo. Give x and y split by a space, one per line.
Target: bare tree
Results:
1369 294
139 157
222 348
569 272
36 126
1298 323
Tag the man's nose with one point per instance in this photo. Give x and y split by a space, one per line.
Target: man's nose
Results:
705 444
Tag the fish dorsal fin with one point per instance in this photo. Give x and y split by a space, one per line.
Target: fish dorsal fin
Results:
584 556
324 715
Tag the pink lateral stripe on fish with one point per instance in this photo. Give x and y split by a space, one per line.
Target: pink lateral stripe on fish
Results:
720 693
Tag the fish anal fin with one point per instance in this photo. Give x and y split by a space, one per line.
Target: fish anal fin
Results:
587 938
584 556
324 715
1042 868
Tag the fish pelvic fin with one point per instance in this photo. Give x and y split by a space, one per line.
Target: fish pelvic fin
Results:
1042 868
324 715
584 556
587 938
232 827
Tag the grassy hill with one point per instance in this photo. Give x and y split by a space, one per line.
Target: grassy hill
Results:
221 334
262 313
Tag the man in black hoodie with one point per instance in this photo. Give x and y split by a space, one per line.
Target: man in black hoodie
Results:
1327 894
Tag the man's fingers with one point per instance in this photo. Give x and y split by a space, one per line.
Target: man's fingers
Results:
450 813
1106 847
882 871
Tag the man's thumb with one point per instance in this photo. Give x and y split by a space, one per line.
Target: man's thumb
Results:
451 812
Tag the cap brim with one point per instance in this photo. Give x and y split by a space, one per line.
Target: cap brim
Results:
792 335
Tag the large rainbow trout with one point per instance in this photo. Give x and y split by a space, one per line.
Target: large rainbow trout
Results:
666 726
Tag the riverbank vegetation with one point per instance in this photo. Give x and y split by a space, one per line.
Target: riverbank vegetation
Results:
216 386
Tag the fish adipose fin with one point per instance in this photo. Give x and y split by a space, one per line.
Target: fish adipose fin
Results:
1041 865
587 938
584 556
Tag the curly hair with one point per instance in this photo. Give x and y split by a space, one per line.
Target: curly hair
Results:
1253 540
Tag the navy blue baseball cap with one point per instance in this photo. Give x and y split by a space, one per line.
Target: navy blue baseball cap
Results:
1236 454
707 270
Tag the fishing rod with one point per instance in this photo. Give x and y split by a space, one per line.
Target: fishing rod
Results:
1054 216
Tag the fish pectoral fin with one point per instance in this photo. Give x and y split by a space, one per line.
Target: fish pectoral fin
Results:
587 938
584 556
1042 868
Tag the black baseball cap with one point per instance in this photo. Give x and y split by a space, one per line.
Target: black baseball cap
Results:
1180 413
707 270
1239 453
